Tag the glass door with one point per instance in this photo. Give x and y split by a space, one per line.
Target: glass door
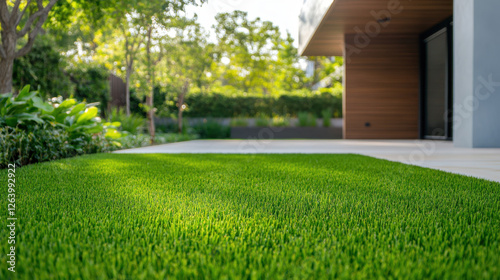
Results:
437 84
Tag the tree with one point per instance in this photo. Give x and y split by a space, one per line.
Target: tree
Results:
189 60
251 46
289 75
157 26
135 19
43 68
16 26
325 67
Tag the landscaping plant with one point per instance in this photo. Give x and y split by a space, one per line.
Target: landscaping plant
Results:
130 141
278 121
327 117
134 123
262 120
228 105
34 130
239 122
211 129
307 119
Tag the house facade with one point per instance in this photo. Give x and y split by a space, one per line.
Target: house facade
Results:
414 69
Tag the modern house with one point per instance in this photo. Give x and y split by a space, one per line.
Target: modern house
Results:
414 69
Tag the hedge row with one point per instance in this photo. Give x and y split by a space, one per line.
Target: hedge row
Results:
222 106
45 143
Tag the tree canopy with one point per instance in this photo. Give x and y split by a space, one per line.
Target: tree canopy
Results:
155 46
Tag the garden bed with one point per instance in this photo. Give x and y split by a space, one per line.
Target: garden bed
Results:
286 132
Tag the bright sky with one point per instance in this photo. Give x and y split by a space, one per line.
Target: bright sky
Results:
283 13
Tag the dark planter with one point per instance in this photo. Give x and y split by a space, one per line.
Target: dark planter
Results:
286 132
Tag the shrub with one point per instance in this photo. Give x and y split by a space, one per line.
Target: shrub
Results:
307 119
142 140
278 121
43 69
212 130
262 120
91 83
134 123
35 130
219 105
46 142
239 122
327 116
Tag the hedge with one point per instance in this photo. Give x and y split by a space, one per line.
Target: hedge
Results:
45 143
223 106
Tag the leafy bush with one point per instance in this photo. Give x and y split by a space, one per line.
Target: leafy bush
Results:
327 117
306 119
278 121
91 84
43 69
262 120
143 140
29 122
46 142
218 105
239 122
212 130
134 123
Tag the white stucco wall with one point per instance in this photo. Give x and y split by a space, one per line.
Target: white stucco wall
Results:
476 73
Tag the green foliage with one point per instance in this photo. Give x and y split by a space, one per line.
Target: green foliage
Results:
279 121
262 120
327 116
249 45
218 105
42 68
211 130
306 119
239 122
80 119
289 75
157 216
91 83
22 111
326 68
142 140
134 123
46 142
75 126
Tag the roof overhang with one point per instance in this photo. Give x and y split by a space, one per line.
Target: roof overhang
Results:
323 23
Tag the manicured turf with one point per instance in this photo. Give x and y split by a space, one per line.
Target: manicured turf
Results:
250 217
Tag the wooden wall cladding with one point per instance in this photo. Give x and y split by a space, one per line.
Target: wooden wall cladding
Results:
344 16
381 85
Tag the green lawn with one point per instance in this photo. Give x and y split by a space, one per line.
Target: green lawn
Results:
250 217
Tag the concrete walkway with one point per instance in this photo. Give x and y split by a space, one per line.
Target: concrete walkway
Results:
480 163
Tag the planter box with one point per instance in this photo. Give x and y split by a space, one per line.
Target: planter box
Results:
286 133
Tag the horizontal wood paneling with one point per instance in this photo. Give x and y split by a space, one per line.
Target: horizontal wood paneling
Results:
382 88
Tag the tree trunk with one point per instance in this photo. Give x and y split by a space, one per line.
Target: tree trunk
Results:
6 68
151 115
10 18
150 96
180 105
151 109
9 42
127 91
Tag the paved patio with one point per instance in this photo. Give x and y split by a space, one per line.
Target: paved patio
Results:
480 163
